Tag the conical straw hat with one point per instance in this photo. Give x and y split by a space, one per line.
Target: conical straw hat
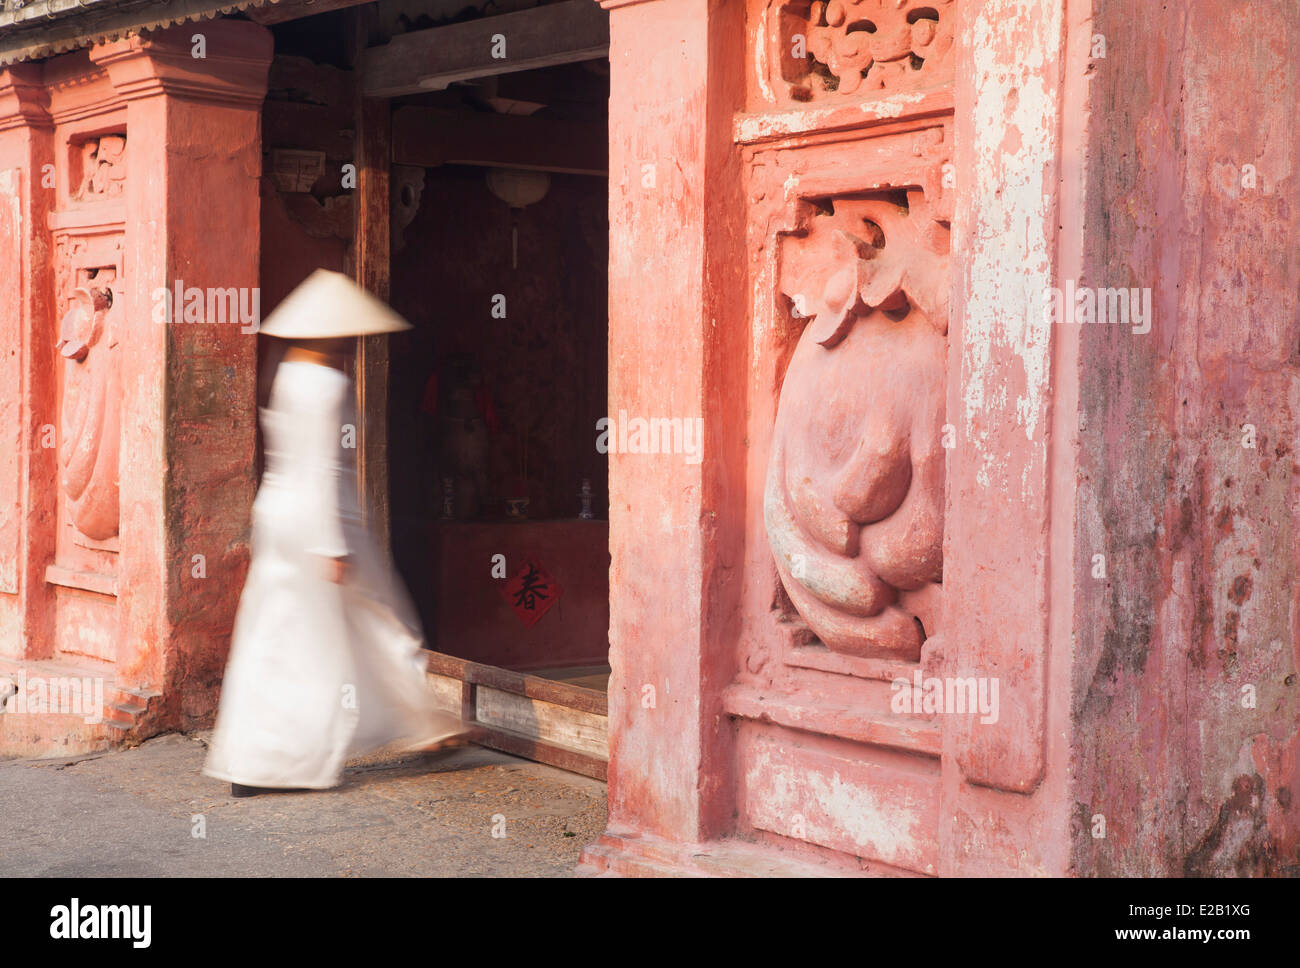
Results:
330 304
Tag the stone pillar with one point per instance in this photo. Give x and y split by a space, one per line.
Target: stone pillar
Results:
193 97
26 367
1013 403
862 324
1020 386
675 331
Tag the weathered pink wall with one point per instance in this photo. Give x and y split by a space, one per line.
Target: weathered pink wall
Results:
1201 598
211 370
136 605
1120 697
26 537
799 755
1019 87
676 349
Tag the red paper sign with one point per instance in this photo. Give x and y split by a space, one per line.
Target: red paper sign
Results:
531 593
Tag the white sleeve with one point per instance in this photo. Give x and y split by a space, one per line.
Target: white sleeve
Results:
324 428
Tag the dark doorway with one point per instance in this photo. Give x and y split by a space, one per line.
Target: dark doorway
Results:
495 395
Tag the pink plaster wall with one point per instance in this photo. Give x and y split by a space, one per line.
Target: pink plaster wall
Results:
211 386
1019 86
676 346
26 145
199 416
1121 696
148 616
1201 534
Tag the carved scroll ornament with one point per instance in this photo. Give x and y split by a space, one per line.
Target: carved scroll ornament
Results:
855 489
865 45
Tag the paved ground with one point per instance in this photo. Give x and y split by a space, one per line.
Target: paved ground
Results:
137 812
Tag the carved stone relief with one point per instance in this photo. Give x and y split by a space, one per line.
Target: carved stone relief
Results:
855 489
90 409
834 48
103 168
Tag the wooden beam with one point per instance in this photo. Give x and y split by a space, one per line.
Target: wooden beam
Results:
429 137
429 60
372 266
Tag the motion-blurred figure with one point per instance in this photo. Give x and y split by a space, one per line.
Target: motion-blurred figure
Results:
326 658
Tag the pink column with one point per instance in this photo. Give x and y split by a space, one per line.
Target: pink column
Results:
188 390
786 584
1117 502
675 330
1010 475
26 366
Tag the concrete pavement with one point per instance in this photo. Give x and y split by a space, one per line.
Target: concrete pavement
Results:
148 811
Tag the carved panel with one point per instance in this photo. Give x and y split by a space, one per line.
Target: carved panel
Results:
855 487
101 173
88 274
839 48
296 170
88 343
853 805
849 227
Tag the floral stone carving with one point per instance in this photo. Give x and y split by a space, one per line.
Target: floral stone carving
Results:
865 45
855 489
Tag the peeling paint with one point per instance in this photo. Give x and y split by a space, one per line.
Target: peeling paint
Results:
1010 244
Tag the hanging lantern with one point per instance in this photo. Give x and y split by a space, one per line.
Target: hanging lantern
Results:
517 188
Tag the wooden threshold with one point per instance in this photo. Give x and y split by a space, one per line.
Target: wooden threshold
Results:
552 722
517 744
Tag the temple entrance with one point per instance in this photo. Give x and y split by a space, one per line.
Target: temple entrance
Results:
498 495
455 165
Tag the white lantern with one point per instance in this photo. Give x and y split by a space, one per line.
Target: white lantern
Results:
518 188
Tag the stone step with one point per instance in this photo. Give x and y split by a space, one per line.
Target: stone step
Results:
598 861
123 717
54 734
117 695
125 706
